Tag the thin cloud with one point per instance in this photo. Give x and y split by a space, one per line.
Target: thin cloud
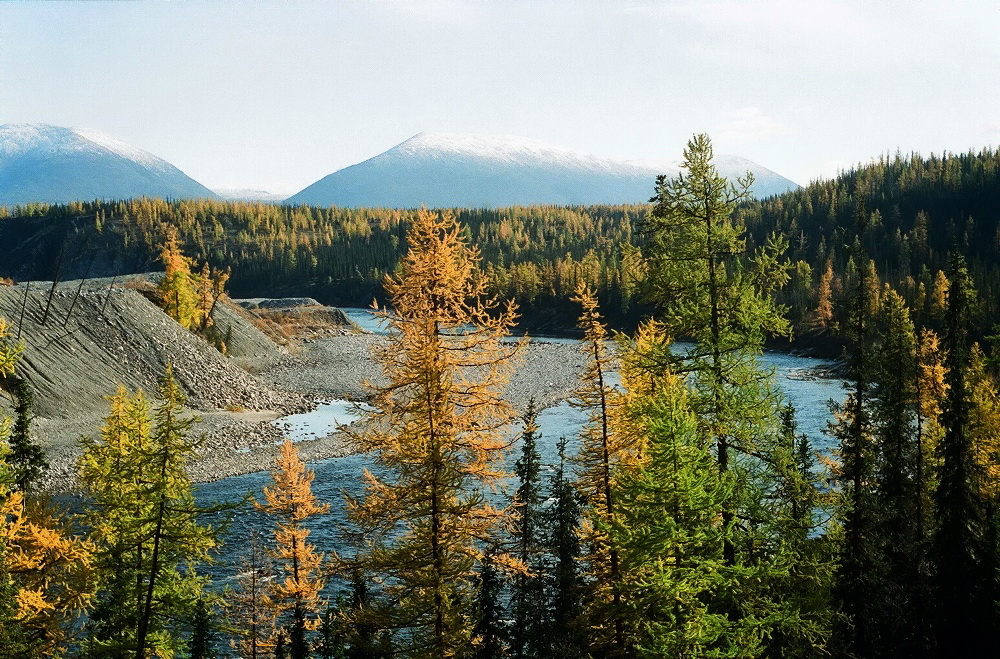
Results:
748 125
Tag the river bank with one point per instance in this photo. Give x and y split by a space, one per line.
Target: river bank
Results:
334 367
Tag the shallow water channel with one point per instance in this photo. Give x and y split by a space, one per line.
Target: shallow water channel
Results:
335 476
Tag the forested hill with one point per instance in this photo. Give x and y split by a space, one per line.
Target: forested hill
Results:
537 254
918 209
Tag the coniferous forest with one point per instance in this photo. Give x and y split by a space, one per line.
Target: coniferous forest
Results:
695 520
918 211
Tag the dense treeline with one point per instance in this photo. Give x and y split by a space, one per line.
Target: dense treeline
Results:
694 520
919 211
921 208
536 255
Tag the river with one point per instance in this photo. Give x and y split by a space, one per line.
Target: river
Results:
335 476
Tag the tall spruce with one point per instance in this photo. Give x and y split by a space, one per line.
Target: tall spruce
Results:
858 570
203 632
529 624
563 580
26 458
896 533
490 631
436 434
964 607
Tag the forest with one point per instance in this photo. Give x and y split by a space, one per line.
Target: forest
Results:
694 521
917 210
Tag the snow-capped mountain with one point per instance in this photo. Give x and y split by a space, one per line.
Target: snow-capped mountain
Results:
450 170
249 194
42 163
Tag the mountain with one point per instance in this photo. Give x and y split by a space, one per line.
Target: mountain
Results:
475 171
42 163
249 194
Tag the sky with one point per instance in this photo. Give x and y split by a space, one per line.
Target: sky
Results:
275 95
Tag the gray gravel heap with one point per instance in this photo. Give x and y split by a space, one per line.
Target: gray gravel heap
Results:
90 343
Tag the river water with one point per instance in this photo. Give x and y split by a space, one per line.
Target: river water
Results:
335 476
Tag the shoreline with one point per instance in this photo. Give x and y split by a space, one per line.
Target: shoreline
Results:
330 367
333 367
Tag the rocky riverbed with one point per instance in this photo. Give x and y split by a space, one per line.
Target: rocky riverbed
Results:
240 441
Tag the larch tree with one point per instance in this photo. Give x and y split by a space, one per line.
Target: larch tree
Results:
822 316
146 525
605 452
666 524
46 572
436 435
291 502
178 287
249 606
708 287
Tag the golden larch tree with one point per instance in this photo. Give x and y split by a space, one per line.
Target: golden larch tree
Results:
46 572
291 502
178 289
608 444
437 432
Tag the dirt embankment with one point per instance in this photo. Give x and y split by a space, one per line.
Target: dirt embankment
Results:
83 341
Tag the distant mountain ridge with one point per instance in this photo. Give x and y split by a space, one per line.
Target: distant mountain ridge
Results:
479 171
53 164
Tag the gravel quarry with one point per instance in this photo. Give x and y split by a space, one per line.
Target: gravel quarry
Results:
82 339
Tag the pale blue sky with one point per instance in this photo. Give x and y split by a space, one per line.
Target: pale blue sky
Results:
274 95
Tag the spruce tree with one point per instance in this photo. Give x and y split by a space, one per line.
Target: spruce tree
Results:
859 567
895 535
26 458
202 632
528 628
564 582
962 595
490 632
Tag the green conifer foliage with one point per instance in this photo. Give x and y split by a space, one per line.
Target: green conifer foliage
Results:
490 631
144 519
564 584
708 287
963 621
901 552
529 625
671 538
26 458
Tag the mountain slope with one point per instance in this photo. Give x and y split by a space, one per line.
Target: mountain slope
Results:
471 171
42 163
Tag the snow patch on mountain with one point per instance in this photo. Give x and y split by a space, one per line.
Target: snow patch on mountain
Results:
460 170
54 164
